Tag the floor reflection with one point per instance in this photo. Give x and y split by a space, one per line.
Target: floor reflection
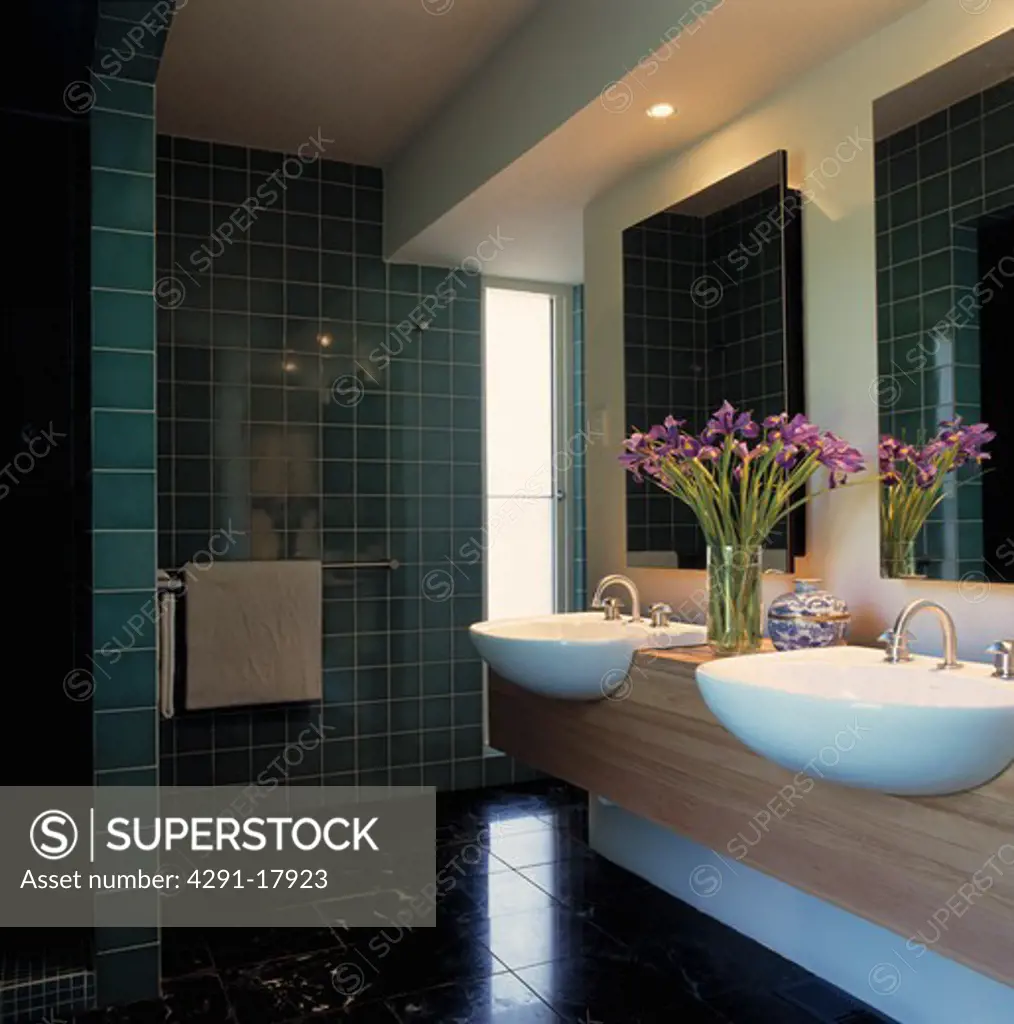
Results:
536 929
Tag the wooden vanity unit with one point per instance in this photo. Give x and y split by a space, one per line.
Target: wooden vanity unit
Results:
936 871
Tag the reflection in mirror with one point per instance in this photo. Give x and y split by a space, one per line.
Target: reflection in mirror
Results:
945 297
712 312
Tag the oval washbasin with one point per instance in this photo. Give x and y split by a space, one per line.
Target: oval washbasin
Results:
576 656
846 715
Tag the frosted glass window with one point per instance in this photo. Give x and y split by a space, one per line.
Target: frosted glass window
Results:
519 557
519 392
520 489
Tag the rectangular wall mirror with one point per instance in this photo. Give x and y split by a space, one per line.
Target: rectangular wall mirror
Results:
712 311
945 297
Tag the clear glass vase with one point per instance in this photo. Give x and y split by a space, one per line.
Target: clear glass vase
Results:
734 599
897 559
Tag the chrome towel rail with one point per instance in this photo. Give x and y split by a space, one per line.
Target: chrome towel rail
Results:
172 580
387 563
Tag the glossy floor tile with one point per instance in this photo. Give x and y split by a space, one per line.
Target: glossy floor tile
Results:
532 927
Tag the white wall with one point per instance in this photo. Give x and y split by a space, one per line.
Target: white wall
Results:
826 108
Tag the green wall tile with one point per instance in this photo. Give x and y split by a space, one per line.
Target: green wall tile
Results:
120 95
124 739
123 561
122 622
123 320
123 501
121 260
131 681
123 380
123 201
123 141
123 440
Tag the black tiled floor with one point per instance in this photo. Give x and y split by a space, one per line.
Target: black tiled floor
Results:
535 929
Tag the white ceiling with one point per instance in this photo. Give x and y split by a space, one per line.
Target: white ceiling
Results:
369 73
741 53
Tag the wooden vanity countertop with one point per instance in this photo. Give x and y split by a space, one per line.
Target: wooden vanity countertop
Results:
939 866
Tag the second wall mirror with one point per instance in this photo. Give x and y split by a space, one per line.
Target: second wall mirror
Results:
712 290
945 303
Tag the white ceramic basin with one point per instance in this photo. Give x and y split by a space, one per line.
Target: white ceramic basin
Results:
844 714
578 656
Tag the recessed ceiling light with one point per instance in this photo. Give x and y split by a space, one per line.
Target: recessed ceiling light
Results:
661 110
325 340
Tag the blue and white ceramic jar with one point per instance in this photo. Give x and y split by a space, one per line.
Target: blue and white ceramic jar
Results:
809 617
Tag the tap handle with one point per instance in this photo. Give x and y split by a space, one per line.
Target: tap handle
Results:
660 613
1002 652
612 608
897 645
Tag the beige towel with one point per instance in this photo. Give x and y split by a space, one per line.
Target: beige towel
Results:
253 633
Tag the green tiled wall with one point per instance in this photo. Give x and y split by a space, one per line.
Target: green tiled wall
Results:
123 441
665 359
936 181
375 458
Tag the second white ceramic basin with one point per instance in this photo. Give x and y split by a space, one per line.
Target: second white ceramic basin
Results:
846 715
575 656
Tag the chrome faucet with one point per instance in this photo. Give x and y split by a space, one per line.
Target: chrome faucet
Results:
623 581
897 638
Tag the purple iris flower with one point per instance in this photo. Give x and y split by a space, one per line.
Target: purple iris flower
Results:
887 452
799 431
925 475
698 448
726 422
839 457
787 457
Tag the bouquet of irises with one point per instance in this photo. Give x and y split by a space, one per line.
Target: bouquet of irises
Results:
740 477
914 477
